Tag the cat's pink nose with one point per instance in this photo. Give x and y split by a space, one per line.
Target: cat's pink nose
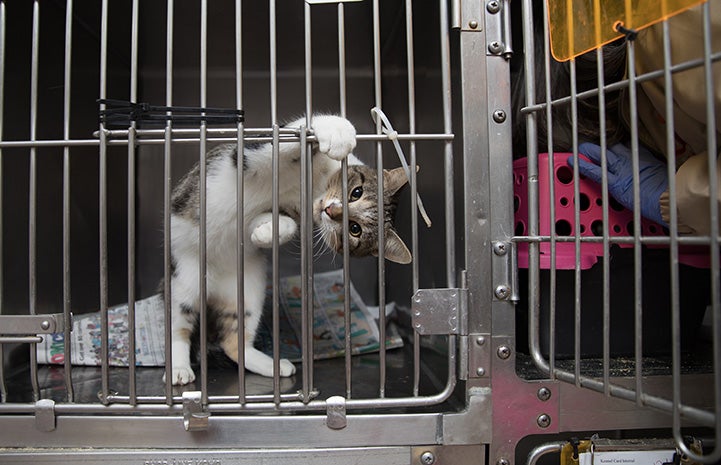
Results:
334 210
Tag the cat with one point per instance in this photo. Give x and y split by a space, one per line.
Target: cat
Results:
336 138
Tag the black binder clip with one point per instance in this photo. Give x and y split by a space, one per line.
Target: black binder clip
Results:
122 113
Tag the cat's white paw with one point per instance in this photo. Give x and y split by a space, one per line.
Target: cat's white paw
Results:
286 368
262 235
336 136
181 375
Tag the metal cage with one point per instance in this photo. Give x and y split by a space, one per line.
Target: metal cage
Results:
499 361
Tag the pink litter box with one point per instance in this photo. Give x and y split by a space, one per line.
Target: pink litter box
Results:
591 216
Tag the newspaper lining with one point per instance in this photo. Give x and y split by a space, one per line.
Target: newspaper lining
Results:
328 328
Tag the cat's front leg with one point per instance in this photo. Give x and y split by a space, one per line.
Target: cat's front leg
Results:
261 228
336 136
183 320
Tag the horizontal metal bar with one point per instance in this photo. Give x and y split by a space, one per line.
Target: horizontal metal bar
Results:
212 399
266 136
21 339
238 433
648 240
618 85
233 139
32 324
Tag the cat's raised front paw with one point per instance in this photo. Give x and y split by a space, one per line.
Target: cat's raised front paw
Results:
336 136
181 375
262 235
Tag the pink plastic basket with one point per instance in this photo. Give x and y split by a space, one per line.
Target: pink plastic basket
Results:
591 215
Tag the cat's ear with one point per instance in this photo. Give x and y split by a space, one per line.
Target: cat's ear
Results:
396 251
394 179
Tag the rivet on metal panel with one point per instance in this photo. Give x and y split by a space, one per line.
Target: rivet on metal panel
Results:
473 24
496 48
335 413
493 7
194 418
503 461
427 458
480 371
500 248
45 325
502 292
543 420
480 340
544 394
45 415
499 116
503 352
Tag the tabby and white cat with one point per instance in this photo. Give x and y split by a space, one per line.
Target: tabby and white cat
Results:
336 138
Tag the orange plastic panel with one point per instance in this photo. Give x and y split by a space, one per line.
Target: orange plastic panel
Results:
578 26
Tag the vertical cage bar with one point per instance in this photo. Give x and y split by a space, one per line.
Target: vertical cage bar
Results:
448 147
103 198
379 163
606 303
276 206
167 194
67 319
382 342
410 63
3 386
712 151
637 259
347 336
344 182
240 202
275 260
534 302
203 252
673 228
33 189
576 222
551 192
306 249
341 60
131 206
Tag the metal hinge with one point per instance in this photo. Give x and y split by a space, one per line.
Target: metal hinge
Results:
335 413
440 311
505 278
498 28
45 415
11 326
195 418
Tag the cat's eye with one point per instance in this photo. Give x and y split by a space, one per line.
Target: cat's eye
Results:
355 229
356 194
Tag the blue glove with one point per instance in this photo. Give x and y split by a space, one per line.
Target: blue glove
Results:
653 176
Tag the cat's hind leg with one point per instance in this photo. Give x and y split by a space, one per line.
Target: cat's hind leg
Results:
255 284
255 360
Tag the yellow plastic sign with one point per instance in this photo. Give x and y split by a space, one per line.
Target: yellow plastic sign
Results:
578 26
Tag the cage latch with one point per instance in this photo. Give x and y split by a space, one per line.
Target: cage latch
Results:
195 418
45 415
18 328
439 311
335 413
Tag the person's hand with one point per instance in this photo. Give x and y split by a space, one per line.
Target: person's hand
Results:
653 176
